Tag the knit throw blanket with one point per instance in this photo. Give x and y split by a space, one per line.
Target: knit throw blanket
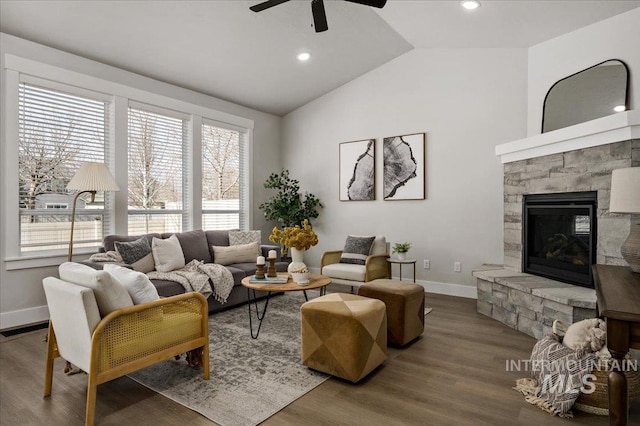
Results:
197 276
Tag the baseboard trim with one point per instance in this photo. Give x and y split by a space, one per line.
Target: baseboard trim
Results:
448 289
23 317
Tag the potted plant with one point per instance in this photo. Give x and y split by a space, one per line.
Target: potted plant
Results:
288 206
401 249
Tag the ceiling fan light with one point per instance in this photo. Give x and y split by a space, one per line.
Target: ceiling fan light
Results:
303 56
470 4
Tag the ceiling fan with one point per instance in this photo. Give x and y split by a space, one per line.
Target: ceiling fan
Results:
317 9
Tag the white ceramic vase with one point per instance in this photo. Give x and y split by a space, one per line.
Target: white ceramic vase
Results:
402 256
297 260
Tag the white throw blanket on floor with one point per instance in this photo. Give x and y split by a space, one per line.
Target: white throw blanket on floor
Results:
195 277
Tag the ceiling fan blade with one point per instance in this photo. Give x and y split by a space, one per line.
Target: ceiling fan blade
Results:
266 5
319 16
373 3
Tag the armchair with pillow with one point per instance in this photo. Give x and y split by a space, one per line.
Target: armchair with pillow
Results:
109 324
363 259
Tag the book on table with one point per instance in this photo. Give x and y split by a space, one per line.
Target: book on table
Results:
269 280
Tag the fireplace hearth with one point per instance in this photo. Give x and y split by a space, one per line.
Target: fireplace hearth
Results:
559 240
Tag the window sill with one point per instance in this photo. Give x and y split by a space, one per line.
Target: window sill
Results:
44 260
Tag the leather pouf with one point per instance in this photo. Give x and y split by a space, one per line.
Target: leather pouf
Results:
344 335
405 307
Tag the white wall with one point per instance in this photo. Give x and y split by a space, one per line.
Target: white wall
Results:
614 38
467 101
22 299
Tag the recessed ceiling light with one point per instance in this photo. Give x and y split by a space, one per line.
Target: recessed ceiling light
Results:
303 56
619 108
470 4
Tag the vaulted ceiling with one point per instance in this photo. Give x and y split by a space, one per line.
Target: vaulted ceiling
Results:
223 49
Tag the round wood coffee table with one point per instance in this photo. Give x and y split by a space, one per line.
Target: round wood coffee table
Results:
315 282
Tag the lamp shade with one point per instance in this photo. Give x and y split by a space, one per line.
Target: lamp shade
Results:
93 177
625 191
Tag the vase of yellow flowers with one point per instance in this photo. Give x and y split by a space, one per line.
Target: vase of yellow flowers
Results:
297 239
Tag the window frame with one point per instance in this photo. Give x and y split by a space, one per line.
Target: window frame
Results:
245 173
107 211
18 69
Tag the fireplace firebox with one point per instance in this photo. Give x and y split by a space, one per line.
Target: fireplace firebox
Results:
560 235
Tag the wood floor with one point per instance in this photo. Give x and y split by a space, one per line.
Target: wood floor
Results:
453 375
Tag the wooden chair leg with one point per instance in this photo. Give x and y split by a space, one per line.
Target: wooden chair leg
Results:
205 361
48 375
91 400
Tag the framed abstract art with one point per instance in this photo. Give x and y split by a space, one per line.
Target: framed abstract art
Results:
404 168
357 170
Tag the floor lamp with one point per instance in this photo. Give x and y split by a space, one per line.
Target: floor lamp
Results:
90 177
625 198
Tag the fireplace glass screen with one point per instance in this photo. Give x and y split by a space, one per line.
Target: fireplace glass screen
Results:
560 236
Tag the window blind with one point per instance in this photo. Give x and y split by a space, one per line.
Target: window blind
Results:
155 184
57 132
225 174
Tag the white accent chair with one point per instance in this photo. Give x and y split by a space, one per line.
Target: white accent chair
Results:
355 275
125 340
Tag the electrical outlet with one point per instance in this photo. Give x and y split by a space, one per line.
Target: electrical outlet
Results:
457 267
427 264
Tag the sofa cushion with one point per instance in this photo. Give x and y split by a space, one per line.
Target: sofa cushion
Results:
167 254
218 238
237 238
137 284
345 271
194 246
167 288
238 274
356 249
109 293
109 241
137 254
245 253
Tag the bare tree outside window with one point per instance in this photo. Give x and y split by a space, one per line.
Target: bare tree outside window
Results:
220 154
155 171
57 132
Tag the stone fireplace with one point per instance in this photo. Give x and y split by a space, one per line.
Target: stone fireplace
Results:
577 160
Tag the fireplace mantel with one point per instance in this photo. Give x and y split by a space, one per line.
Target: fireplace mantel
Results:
610 129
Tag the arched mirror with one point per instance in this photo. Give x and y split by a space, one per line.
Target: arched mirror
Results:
592 93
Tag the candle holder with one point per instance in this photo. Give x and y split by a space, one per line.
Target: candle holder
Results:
260 272
271 272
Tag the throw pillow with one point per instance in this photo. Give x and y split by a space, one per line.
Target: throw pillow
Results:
137 254
356 250
237 238
137 284
167 254
244 253
559 372
109 293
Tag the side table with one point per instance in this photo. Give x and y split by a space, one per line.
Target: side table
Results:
618 292
402 262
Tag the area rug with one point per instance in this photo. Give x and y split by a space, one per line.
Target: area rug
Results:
250 379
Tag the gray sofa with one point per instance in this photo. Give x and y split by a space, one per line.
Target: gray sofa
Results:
197 245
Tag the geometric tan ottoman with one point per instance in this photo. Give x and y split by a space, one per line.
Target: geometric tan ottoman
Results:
405 307
344 335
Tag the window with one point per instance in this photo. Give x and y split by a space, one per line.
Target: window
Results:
57 132
155 183
224 174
